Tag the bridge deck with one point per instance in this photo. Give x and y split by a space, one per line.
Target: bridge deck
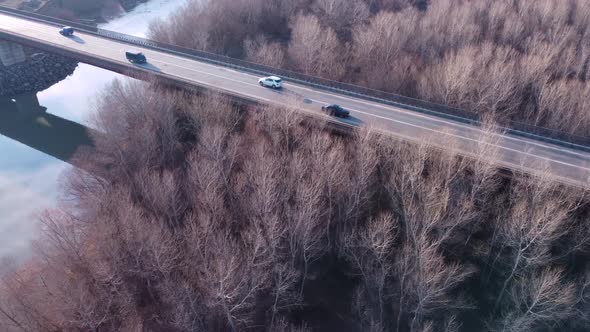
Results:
526 154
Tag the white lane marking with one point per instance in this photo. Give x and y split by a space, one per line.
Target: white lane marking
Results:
473 140
570 180
382 107
413 125
390 108
298 86
378 116
390 119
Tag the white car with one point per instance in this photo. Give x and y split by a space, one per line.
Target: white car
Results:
271 82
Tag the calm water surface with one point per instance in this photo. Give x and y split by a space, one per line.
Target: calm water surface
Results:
29 180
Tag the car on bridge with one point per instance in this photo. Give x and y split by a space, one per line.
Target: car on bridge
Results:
135 57
271 82
66 31
335 110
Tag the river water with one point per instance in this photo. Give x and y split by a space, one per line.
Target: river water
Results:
29 180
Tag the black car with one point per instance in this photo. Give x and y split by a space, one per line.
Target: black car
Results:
135 57
335 110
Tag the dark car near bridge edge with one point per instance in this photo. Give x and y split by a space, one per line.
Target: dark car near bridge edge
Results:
136 57
66 31
335 110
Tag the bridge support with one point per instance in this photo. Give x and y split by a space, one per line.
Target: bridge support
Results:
11 53
42 131
28 105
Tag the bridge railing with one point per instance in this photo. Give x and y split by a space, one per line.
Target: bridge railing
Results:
512 127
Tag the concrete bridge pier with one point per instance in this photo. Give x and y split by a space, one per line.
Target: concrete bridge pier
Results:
45 132
11 53
28 105
24 106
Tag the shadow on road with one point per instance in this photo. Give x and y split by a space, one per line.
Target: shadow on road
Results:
352 120
279 91
148 66
77 39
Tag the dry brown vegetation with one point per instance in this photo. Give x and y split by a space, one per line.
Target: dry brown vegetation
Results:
522 60
203 217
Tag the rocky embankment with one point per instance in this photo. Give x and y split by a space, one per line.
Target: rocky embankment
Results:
37 73
130 4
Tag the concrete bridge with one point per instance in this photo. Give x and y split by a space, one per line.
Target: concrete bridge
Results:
11 53
522 150
22 118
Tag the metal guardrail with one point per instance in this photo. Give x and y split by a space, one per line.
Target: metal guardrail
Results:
515 128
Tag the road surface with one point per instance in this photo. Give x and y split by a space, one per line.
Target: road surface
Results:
524 154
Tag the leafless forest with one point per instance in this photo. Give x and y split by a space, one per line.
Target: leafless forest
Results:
203 216
523 60
200 215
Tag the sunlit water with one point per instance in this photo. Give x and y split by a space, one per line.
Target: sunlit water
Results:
29 179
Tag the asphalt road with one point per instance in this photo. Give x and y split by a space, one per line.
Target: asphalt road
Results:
567 165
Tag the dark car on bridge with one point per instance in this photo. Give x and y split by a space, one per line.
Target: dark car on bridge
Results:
335 110
135 57
66 31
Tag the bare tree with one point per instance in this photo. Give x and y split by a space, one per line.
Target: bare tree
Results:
267 53
342 15
205 215
545 299
313 49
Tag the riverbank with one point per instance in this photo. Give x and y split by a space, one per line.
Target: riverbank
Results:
29 178
37 72
99 11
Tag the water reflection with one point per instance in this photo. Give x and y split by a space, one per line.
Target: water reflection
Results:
29 178
24 120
